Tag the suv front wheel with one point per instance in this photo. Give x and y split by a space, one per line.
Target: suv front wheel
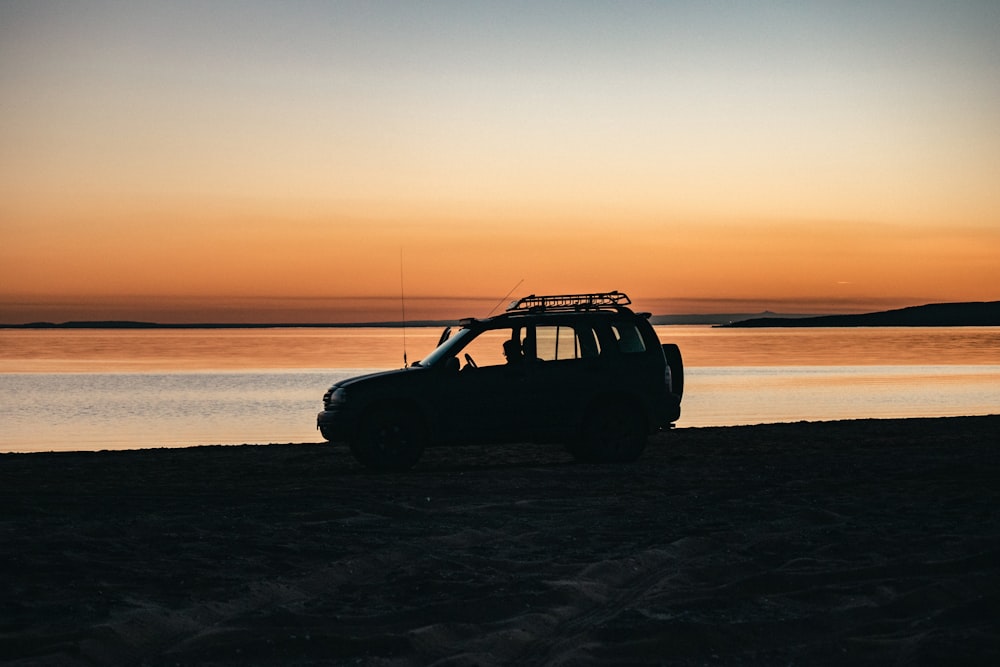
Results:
611 433
389 438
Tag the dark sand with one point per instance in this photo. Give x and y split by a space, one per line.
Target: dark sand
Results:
867 542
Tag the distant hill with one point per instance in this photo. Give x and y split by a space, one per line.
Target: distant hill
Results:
718 318
969 314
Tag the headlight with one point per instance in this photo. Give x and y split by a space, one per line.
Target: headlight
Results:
336 396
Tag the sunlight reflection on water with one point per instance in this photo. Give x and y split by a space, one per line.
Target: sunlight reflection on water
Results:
71 390
741 395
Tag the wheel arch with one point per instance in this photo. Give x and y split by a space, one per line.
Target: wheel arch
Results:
397 403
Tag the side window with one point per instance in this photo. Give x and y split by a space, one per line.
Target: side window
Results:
629 339
487 349
561 342
547 342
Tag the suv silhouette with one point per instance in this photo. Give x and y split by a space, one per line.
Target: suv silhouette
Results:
579 369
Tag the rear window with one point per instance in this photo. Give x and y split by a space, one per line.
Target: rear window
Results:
629 338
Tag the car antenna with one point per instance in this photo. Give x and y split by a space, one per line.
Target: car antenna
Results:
505 296
402 303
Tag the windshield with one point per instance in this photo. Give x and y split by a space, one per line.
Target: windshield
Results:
446 349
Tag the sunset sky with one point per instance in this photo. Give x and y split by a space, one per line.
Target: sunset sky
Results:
282 161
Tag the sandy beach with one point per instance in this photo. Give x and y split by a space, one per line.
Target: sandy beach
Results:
858 542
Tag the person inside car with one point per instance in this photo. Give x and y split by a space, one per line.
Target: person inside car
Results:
512 351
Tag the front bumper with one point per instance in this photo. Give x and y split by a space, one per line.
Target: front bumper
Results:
333 425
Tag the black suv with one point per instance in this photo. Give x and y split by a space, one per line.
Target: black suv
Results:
580 369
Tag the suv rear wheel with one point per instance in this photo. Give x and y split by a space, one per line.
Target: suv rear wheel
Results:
612 433
389 438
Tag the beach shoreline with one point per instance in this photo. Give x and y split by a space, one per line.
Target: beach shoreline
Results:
852 542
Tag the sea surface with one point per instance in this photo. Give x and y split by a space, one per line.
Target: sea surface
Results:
114 389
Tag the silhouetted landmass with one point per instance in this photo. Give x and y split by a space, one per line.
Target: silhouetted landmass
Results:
970 314
932 315
718 318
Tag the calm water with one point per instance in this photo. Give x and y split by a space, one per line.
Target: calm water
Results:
90 390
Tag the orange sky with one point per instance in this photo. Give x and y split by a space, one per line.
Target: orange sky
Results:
251 162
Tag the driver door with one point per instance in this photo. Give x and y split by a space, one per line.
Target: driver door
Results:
485 398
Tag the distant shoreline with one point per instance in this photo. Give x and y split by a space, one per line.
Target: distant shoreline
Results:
975 313
967 314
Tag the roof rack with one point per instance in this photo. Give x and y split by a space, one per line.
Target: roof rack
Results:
571 302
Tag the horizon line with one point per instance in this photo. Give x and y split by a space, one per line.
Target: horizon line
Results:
680 318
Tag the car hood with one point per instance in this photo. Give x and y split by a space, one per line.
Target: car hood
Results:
376 377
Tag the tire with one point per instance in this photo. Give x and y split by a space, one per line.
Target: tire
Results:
389 438
611 433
